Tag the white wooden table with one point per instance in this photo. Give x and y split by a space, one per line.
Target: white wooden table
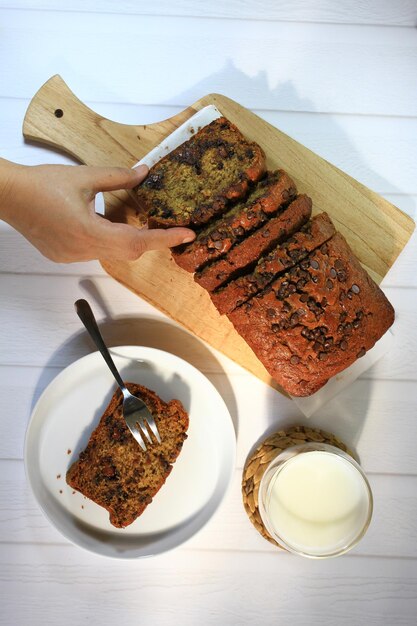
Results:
340 77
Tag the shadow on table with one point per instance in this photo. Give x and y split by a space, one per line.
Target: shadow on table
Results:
141 331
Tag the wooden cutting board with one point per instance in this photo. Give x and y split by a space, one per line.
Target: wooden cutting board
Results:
376 230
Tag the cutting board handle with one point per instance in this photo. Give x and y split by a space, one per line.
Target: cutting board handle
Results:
56 117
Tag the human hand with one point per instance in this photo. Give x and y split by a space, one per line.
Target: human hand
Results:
53 207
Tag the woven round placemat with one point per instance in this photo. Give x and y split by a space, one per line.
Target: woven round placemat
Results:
257 463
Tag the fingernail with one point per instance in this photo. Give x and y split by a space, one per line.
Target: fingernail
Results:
141 169
188 239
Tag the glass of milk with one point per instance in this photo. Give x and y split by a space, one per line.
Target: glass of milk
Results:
315 500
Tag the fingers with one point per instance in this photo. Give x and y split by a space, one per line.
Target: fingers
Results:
112 178
158 239
124 242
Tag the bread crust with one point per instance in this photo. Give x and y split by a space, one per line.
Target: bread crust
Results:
316 320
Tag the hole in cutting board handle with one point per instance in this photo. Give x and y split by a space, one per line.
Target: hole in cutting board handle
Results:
58 112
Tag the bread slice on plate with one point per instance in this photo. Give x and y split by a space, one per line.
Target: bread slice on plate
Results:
115 472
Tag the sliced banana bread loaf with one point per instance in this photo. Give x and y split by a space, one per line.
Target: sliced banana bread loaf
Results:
197 180
312 235
270 194
243 256
115 472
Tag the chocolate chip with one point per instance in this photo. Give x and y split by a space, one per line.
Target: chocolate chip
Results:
314 279
301 283
286 306
218 245
339 265
324 302
314 264
304 297
343 345
329 284
355 289
355 323
323 356
294 318
324 249
271 313
275 328
295 359
327 344
359 315
317 346
348 328
305 264
361 352
301 312
340 328
333 273
265 233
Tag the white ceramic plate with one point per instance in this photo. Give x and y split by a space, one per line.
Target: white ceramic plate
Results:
61 424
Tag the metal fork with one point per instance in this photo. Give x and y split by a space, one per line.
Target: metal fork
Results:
135 411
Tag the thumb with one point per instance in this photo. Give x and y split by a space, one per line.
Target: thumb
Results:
112 178
126 242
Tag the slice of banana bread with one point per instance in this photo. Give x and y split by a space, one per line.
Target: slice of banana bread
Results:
243 256
316 319
197 180
115 472
287 254
270 194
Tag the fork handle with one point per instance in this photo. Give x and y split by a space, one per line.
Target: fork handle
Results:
86 315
